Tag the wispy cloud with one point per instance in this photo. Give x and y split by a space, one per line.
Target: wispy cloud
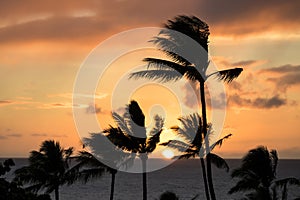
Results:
5 102
81 20
10 135
258 102
93 109
191 92
39 134
287 76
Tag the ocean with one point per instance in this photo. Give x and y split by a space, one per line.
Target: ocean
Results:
184 177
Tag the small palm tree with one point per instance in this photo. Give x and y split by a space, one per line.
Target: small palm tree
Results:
177 49
258 174
48 168
191 146
104 157
131 136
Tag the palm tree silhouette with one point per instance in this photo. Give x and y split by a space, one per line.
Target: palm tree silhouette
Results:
191 145
131 136
48 168
173 45
107 159
258 174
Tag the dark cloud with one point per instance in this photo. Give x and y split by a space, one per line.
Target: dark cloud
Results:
289 75
92 109
69 20
14 135
191 92
5 102
2 137
10 135
283 69
286 81
39 134
234 85
244 63
265 103
59 135
217 102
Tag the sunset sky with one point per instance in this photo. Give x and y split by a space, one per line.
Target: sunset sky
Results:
44 43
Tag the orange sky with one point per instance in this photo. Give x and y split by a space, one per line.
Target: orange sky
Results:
43 45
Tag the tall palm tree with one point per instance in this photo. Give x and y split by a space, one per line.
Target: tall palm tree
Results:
103 157
258 174
190 146
48 168
176 66
131 135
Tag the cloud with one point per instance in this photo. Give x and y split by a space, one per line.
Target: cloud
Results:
10 135
59 135
289 75
92 109
258 102
2 137
223 61
67 20
57 105
5 102
14 135
191 94
39 134
283 69
286 81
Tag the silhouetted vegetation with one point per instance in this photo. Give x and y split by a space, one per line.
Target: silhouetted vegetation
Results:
177 49
109 159
48 168
13 190
131 135
258 175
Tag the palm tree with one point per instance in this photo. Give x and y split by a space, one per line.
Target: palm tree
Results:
131 135
176 66
107 159
48 168
190 146
258 174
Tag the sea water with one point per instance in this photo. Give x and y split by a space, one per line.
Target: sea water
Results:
183 177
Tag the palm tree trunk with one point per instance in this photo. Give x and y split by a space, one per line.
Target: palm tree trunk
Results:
204 178
208 162
144 179
209 178
112 186
56 191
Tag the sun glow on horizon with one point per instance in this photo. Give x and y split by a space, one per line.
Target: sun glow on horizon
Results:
168 153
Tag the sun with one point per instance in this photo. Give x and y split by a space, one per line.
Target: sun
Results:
168 153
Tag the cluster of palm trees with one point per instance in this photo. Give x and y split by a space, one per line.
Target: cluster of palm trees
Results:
130 134
52 166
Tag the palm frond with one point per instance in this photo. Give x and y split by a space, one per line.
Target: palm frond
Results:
187 155
121 123
285 181
218 161
152 141
244 185
162 76
229 74
274 158
155 133
176 144
121 139
220 141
